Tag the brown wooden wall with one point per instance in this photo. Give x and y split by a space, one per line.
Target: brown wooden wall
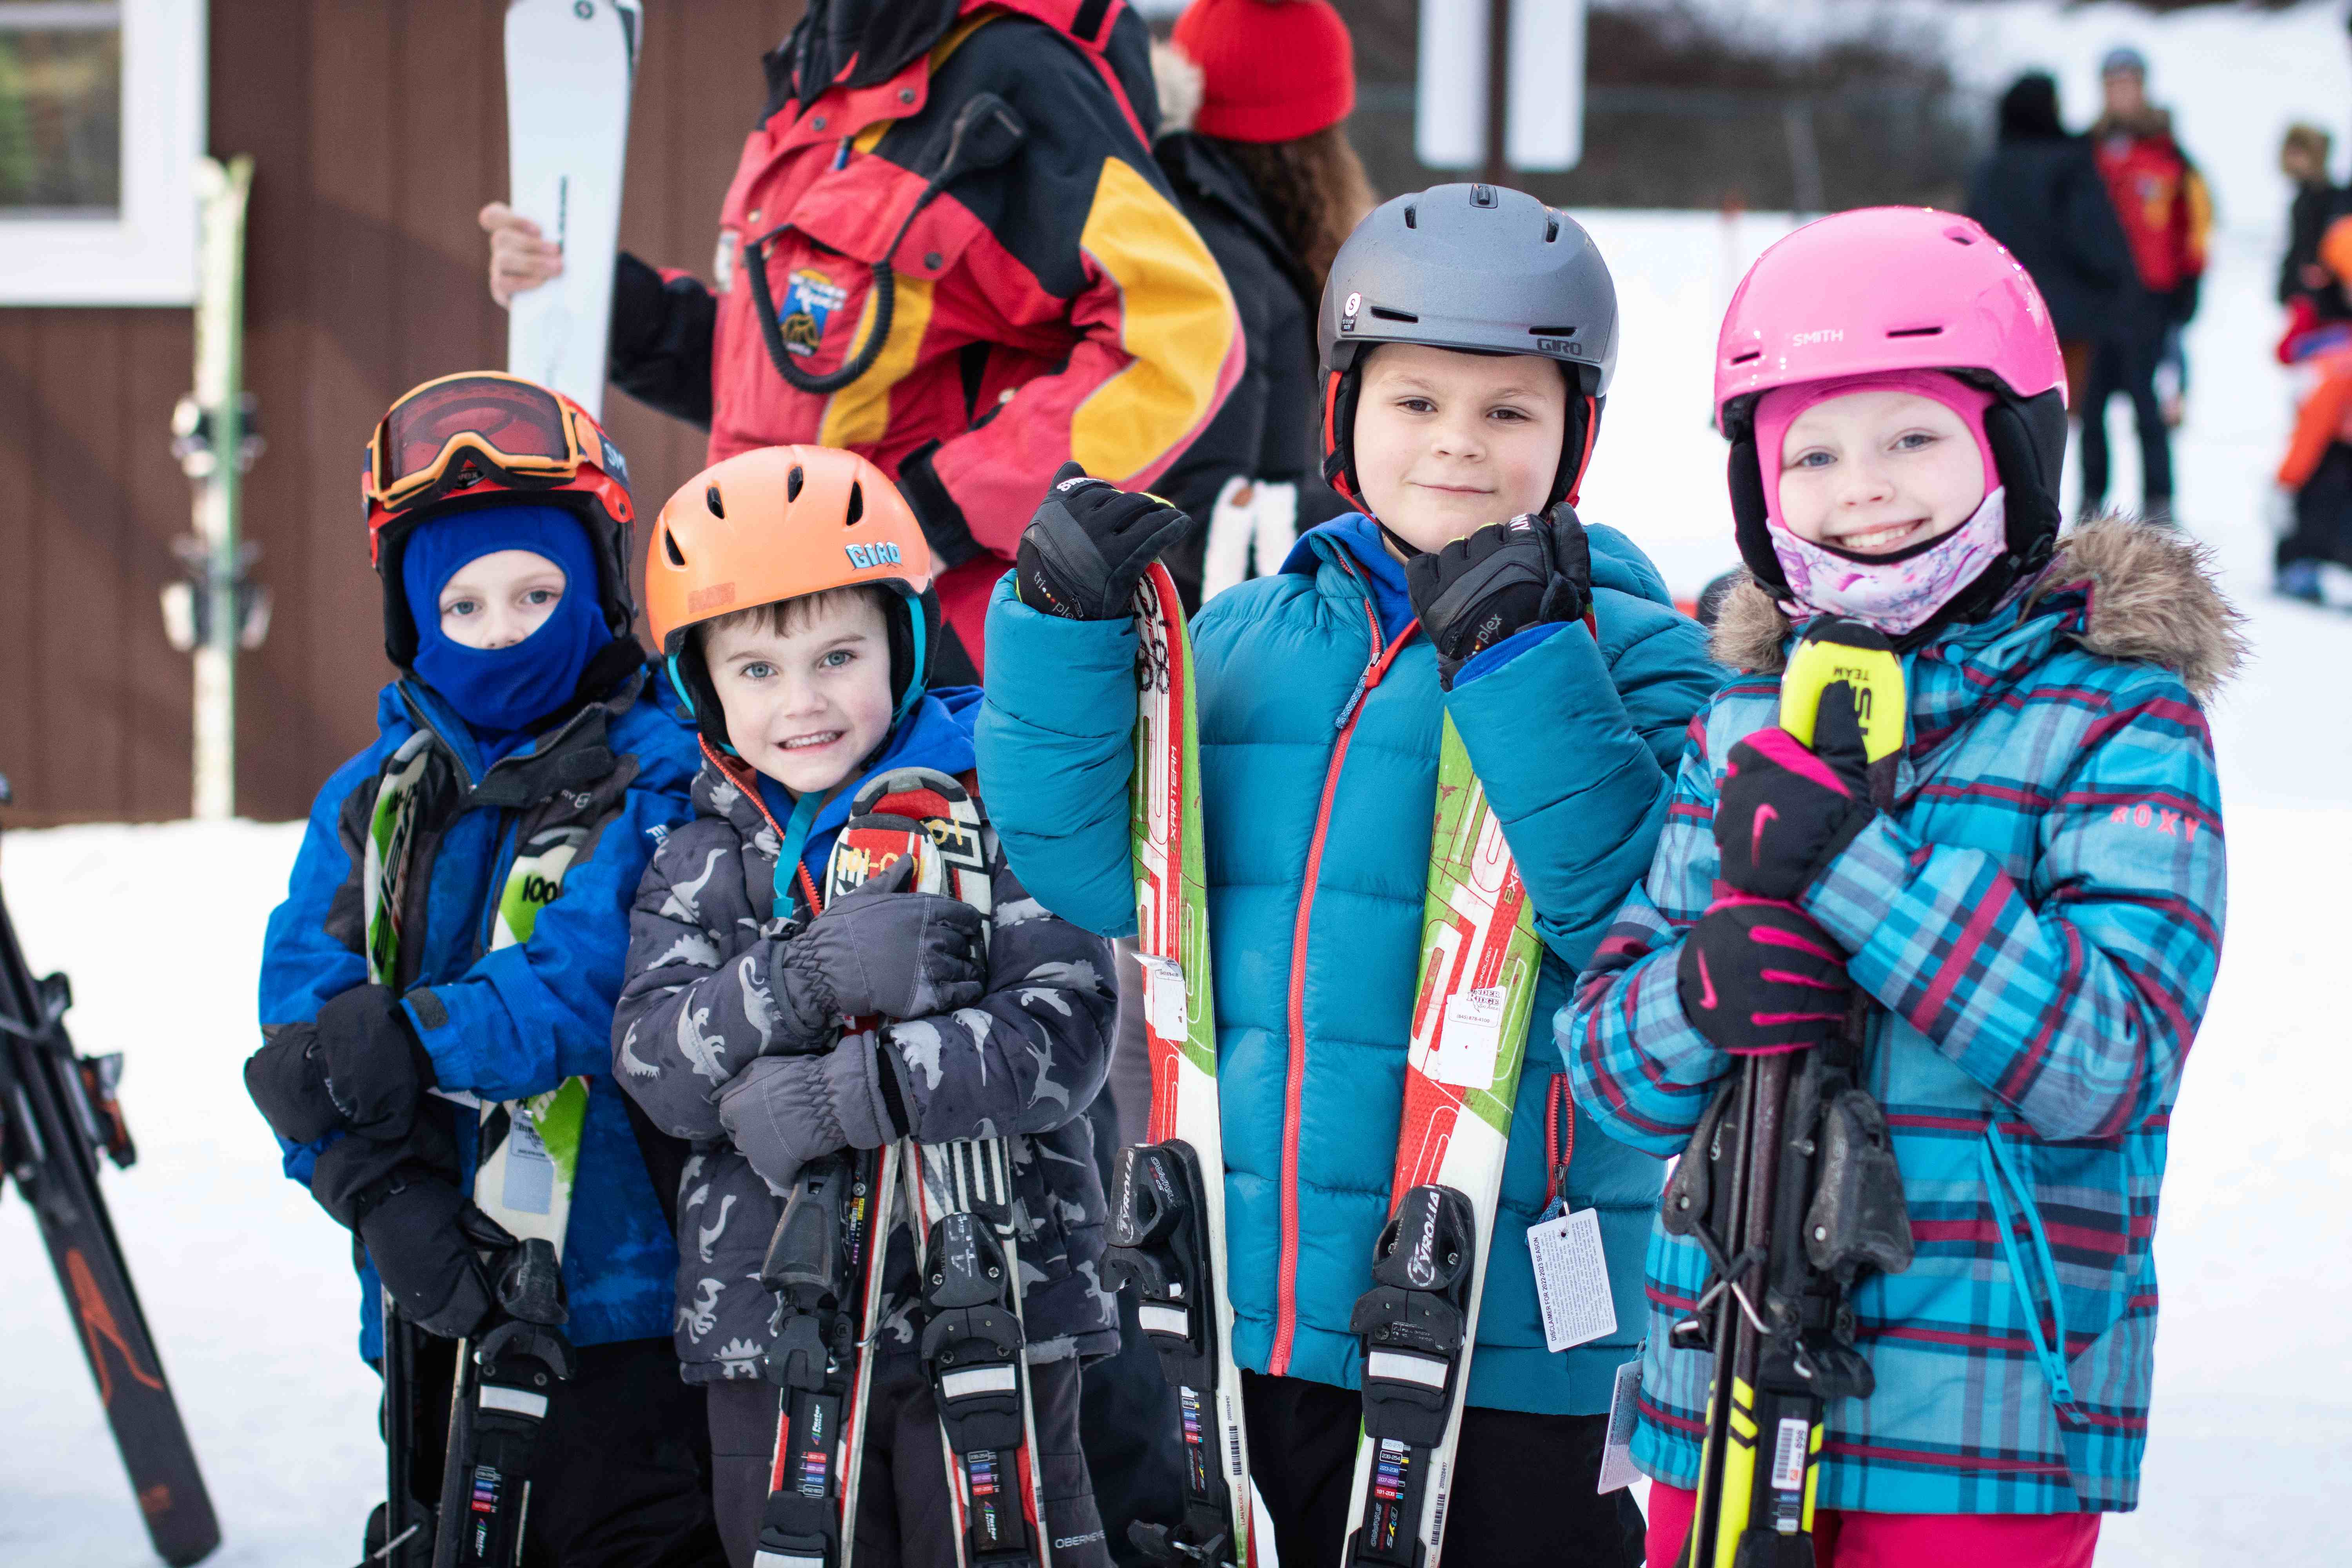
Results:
377 130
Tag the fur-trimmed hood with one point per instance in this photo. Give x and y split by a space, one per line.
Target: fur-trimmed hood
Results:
1179 84
2151 596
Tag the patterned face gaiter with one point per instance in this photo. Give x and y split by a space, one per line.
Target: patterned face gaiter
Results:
1899 593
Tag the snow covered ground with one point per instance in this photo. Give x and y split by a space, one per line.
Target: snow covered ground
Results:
249 1289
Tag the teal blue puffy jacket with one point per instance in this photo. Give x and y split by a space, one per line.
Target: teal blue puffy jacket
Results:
1312 751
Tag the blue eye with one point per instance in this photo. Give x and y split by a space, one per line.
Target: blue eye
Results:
838 658
758 670
1815 461
541 596
460 607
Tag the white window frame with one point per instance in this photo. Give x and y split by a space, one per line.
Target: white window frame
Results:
145 254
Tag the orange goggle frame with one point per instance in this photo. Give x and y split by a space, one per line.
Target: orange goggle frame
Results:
455 432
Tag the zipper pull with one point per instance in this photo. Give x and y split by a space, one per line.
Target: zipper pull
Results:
841 155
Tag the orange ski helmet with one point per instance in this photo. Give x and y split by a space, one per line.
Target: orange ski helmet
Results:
482 437
779 524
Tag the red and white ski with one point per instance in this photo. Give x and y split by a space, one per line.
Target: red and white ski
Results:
1167 1230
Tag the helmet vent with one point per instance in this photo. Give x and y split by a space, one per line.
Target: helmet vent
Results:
857 505
1959 236
1413 217
1551 230
793 483
1914 332
1385 314
670 540
1749 358
1551 331
710 500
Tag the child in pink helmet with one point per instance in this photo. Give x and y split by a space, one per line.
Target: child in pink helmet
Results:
2035 920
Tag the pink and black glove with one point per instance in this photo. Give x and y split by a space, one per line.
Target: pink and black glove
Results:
1786 811
1758 977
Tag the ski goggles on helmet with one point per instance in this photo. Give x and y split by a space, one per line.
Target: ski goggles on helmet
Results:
450 435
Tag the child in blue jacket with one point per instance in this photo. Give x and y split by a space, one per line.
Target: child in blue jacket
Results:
1468 333
456 924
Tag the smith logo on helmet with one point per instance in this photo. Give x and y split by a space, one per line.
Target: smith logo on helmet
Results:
864 555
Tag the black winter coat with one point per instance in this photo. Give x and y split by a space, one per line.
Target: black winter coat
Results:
2042 197
1270 429
1024 1060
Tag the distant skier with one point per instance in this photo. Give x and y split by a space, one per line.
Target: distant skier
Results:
2039 920
2315 476
498 519
1467 335
2166 210
1045 298
792 595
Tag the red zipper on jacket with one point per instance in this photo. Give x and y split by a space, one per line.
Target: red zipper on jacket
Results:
1285 1316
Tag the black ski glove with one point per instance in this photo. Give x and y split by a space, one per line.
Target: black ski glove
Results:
881 949
1086 549
1756 977
1786 811
1499 581
287 1082
424 1238
376 1069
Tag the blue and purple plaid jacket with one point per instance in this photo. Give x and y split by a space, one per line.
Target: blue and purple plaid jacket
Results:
2040 918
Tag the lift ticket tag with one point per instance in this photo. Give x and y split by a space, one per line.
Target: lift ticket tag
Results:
1617 1467
1470 1039
1163 996
1571 1279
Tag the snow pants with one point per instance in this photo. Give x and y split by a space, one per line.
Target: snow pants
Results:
2126 363
1523 1492
1851 1540
621 1479
2322 513
902 1502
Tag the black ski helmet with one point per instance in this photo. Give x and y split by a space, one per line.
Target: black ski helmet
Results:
1479 268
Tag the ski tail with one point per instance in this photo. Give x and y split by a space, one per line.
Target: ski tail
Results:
1791 1187
1479 963
57 1115
1167 1226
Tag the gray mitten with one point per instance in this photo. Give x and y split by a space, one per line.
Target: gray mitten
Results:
882 949
783 1112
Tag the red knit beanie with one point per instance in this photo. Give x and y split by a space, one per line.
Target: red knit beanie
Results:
1271 70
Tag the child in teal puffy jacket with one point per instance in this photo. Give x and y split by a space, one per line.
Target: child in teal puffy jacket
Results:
1468 335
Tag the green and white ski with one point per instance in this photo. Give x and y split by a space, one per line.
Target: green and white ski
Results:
1166 1227
1479 962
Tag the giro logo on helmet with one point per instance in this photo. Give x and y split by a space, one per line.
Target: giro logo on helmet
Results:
862 556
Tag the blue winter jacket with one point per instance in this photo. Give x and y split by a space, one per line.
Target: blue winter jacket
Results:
2039 919
519 1020
1318 744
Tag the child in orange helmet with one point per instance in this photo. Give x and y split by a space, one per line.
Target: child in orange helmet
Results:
790 590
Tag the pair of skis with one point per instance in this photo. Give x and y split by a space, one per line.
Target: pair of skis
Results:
1477 976
1790 1186
826 1266
57 1114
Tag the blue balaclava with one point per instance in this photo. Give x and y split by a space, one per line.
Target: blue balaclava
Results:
501 690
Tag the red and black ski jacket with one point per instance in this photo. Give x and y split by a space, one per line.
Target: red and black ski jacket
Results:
1055 307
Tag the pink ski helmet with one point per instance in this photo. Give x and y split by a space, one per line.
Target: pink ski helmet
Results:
1886 289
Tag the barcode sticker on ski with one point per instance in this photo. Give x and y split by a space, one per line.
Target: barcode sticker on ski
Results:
1571 1279
1617 1468
1471 1039
1163 996
1788 1453
530 1184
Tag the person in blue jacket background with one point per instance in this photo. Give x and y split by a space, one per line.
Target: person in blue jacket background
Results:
1490 322
479 860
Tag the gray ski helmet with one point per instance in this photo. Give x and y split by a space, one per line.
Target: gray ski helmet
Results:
1479 268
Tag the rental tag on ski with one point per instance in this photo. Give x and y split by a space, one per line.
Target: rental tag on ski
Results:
1617 1467
1571 1279
1163 996
1470 1041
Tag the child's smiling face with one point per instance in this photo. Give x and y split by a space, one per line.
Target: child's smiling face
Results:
1875 472
1448 442
805 705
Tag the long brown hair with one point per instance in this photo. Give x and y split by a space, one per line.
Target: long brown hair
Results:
1314 190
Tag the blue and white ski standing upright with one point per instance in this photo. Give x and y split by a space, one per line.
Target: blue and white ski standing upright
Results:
570 64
